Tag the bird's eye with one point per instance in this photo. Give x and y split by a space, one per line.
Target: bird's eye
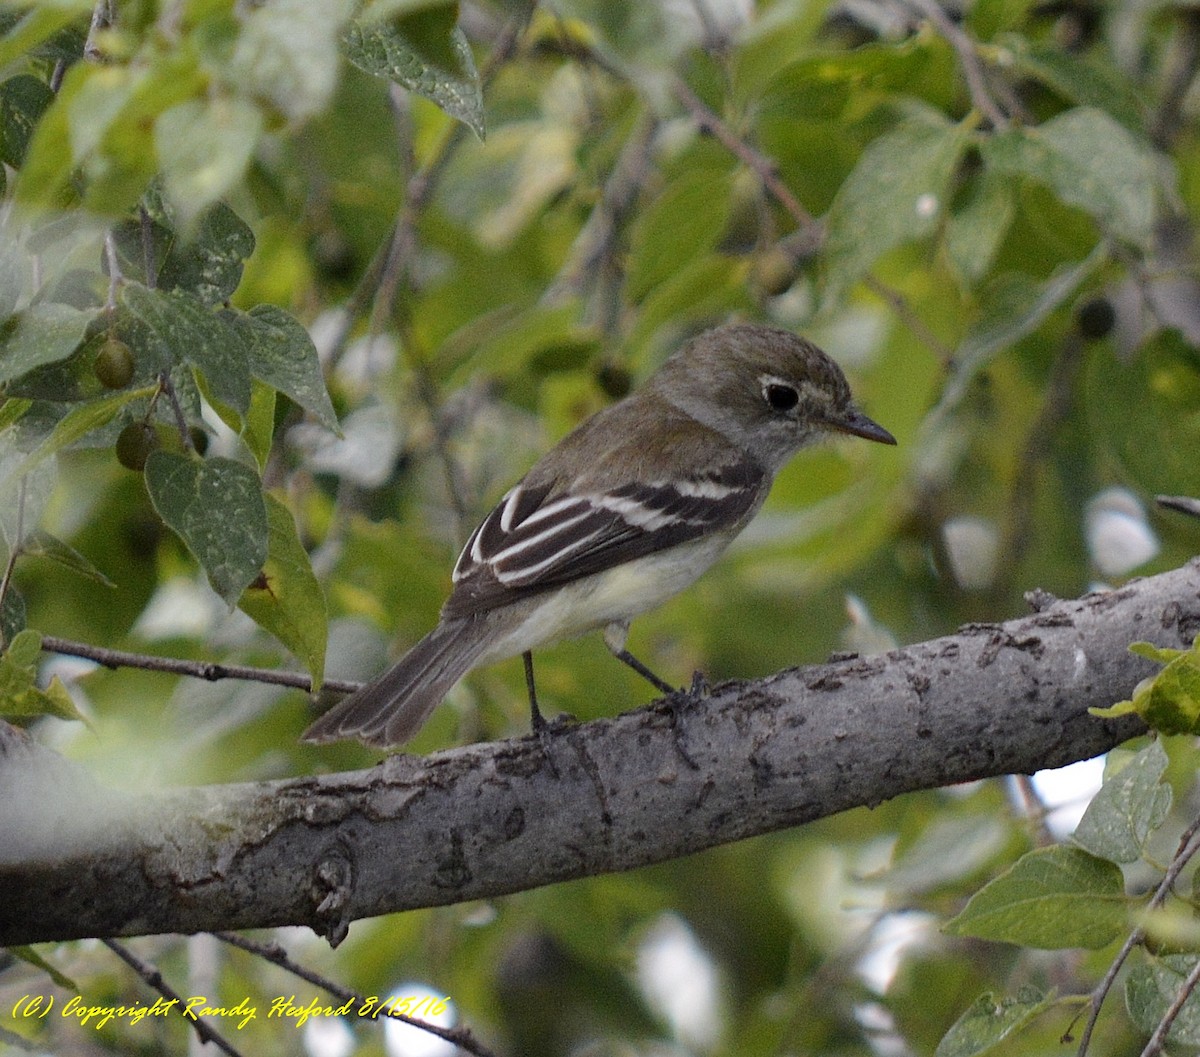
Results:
781 397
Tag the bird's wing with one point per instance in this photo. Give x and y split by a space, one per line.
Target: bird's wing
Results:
537 538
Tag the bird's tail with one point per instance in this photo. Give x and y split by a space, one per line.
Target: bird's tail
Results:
390 710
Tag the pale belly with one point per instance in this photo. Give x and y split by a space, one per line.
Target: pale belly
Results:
610 597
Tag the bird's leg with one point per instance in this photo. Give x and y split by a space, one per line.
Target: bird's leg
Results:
614 638
535 716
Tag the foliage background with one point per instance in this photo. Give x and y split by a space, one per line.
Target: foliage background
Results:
984 214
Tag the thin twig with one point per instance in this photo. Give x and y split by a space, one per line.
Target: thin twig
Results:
114 270
418 190
968 58
594 251
276 955
1159 1038
768 172
395 273
763 167
896 301
102 18
210 671
1185 504
149 264
154 979
1025 796
1183 58
1183 855
167 388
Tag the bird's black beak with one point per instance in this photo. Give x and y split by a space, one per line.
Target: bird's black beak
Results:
855 422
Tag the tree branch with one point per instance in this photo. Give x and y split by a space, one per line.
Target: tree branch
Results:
662 781
210 671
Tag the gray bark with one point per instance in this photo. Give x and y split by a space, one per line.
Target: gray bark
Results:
666 780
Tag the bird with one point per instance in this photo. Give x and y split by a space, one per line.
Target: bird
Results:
626 511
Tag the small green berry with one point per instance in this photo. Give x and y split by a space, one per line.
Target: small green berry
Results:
135 443
114 364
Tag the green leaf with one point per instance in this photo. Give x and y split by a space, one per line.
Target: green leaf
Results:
12 410
41 544
1049 898
81 421
19 692
1172 704
377 10
380 49
989 1021
283 355
976 230
1169 701
112 124
13 617
1129 806
709 285
1090 161
510 343
216 507
13 266
1159 654
287 599
950 849
23 497
23 100
181 328
205 148
210 262
260 422
1152 988
50 153
1156 394
819 87
1077 76
1121 708
31 956
43 333
287 52
38 24
682 224
24 650
895 194
1015 306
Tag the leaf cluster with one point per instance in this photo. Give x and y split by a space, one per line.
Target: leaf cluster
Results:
278 323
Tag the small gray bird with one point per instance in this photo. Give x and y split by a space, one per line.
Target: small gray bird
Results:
626 511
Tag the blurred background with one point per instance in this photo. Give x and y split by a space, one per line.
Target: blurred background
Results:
982 212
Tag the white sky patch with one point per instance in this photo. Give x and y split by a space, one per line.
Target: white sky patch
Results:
680 982
893 935
1119 537
927 205
364 454
328 1037
972 547
1066 792
180 607
864 634
403 1040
